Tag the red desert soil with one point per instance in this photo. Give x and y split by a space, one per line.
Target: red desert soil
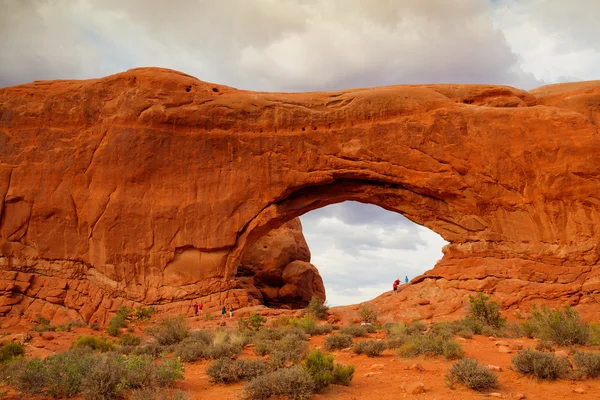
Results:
376 378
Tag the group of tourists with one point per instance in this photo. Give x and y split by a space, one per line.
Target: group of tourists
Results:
199 306
397 283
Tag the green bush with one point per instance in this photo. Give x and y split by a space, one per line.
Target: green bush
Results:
64 327
104 380
544 345
288 350
307 324
594 334
254 322
158 394
66 371
342 374
201 335
10 351
28 376
323 329
153 349
355 330
94 326
116 323
317 308
367 313
486 311
144 313
169 331
563 327
222 350
138 371
541 365
295 383
432 345
129 340
43 325
190 350
93 342
167 371
470 373
587 364
320 367
338 341
225 370
372 348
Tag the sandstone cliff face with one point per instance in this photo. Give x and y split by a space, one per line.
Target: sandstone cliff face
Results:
150 186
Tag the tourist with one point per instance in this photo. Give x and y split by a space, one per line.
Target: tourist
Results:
195 308
406 280
200 306
395 286
223 312
230 311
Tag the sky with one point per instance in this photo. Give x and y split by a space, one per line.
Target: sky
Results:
306 45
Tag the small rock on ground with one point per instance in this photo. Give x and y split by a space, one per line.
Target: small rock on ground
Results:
504 349
414 387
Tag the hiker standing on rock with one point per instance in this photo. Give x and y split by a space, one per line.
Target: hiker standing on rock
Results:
406 279
195 308
230 311
223 312
200 307
395 285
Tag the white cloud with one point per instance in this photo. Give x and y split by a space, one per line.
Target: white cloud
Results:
359 259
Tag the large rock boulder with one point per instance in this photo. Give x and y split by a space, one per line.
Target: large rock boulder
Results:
278 265
150 186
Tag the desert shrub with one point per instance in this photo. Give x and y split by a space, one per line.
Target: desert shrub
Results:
342 374
447 329
372 348
78 323
486 311
158 394
64 327
396 341
541 365
138 371
94 326
323 329
153 349
66 371
367 313
295 383
355 330
594 334
338 341
225 370
320 367
200 335
43 325
167 371
116 323
470 373
587 364
104 380
395 328
129 340
307 324
415 328
144 313
465 333
254 322
190 350
10 351
317 308
544 345
169 331
563 327
28 376
93 342
432 345
287 351
222 350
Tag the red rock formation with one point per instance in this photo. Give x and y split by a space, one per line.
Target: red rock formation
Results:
149 186
278 265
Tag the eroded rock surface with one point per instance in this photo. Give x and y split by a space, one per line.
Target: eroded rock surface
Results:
150 186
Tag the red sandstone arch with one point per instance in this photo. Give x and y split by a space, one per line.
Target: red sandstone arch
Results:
133 189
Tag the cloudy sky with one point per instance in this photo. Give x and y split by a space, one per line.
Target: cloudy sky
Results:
302 45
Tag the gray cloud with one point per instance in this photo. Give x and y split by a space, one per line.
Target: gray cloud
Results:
260 45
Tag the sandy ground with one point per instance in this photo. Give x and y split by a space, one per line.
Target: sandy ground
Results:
377 378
